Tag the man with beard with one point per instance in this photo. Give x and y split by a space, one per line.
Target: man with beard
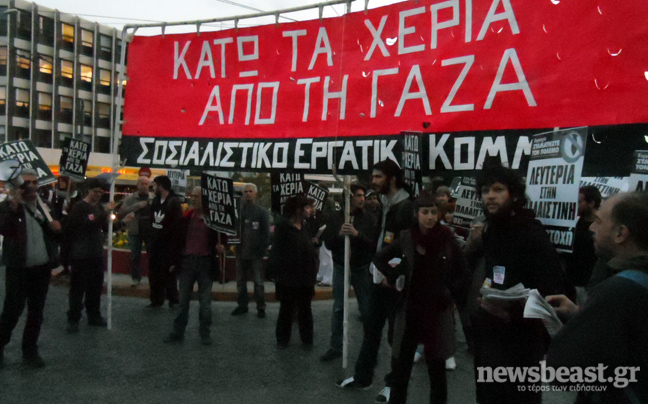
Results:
398 208
255 237
582 260
516 249
166 211
608 331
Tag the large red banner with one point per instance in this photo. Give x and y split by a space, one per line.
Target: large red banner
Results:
426 65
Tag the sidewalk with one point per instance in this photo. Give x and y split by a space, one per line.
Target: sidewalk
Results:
122 286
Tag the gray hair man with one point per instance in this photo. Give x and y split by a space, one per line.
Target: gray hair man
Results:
29 249
255 237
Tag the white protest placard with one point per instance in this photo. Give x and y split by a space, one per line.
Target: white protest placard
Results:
638 180
468 204
553 179
607 186
178 181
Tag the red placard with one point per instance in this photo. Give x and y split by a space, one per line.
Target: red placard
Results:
457 65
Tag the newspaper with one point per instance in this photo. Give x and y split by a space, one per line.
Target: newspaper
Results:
517 292
537 307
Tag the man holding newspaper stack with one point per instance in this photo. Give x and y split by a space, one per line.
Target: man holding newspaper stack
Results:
516 249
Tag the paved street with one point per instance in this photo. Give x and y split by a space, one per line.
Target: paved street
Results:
130 364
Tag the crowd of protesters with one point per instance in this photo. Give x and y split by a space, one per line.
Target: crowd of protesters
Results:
410 267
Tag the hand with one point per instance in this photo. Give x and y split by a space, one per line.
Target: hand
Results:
141 205
348 230
565 308
129 217
172 268
55 226
110 205
500 310
220 248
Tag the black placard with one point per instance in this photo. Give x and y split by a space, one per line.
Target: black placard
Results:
74 158
219 209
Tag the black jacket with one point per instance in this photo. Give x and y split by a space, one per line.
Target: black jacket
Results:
13 227
363 247
293 258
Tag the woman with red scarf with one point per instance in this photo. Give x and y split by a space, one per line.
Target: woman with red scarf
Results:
432 274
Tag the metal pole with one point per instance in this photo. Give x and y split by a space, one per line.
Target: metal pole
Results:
115 153
347 265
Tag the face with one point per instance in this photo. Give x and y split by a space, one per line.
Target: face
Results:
496 198
442 198
380 182
29 187
427 217
249 194
449 217
157 190
143 185
95 194
358 199
308 211
372 201
604 228
196 199
584 206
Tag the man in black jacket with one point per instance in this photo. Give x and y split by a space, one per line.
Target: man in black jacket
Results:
29 252
83 249
398 214
516 249
362 231
166 211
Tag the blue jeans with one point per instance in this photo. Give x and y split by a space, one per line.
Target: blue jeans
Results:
135 243
194 269
243 268
359 279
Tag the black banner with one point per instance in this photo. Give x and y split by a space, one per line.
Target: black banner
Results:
74 158
26 154
219 210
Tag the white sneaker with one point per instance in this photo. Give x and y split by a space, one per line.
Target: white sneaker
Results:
451 364
383 396
418 357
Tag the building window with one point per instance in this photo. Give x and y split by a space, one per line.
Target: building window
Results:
4 17
44 70
23 63
104 81
46 26
42 138
18 133
45 106
3 60
87 42
22 103
86 105
23 25
103 112
105 47
65 109
3 100
102 144
68 37
86 77
67 73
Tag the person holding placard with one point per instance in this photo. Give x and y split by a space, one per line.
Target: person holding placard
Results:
29 251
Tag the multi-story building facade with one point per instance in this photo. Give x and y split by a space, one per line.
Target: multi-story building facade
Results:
58 79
